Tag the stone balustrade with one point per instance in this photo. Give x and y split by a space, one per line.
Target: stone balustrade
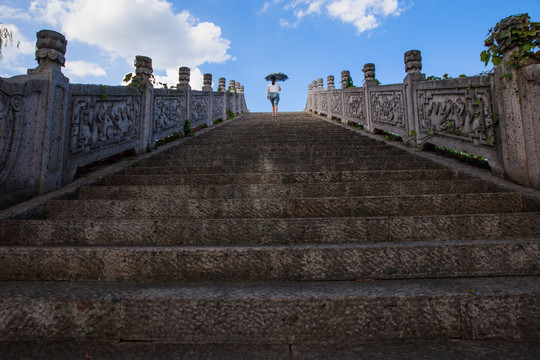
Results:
49 127
493 116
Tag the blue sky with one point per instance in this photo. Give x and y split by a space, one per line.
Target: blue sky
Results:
246 39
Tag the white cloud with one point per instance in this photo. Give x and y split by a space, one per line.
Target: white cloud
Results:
83 69
363 14
9 12
126 28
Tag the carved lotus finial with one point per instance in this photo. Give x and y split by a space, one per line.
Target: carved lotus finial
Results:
413 61
369 71
51 49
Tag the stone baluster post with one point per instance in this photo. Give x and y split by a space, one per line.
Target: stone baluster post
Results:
53 127
144 71
320 84
309 97
183 78
413 66
369 82
517 99
222 84
230 94
330 82
345 76
207 82
184 74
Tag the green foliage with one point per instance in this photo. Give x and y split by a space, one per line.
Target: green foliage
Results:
187 129
515 34
218 121
445 76
350 83
230 114
175 135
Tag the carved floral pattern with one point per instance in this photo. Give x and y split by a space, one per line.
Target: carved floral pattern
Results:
217 104
464 114
199 108
336 102
387 108
97 122
323 102
355 104
169 112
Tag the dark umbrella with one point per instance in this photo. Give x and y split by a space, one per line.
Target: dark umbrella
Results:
278 75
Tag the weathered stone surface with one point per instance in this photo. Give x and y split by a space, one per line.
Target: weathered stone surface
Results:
276 313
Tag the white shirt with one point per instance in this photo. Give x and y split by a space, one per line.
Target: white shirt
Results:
274 88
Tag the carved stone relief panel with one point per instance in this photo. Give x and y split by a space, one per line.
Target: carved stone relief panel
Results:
199 107
9 107
217 104
354 104
336 104
96 121
465 114
230 101
169 112
387 108
323 102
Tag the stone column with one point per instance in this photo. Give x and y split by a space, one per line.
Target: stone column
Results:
207 82
183 78
232 85
413 66
50 55
369 74
345 76
222 84
320 84
242 89
237 86
330 82
144 71
518 97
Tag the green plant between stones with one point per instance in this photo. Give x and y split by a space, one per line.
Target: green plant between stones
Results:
515 34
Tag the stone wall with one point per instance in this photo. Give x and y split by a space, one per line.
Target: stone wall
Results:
495 116
49 127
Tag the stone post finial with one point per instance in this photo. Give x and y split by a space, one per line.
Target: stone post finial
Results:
183 77
345 76
413 61
232 85
314 84
222 84
207 82
310 86
369 72
143 69
320 84
51 49
330 82
242 89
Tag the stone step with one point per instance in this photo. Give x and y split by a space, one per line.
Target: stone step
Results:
297 190
214 232
273 313
171 167
440 349
344 262
291 152
281 178
284 162
439 204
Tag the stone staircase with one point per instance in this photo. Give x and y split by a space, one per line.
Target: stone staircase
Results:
276 238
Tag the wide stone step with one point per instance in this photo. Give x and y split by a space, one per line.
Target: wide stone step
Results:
171 167
416 260
287 208
284 162
282 178
440 349
290 152
273 313
214 232
297 190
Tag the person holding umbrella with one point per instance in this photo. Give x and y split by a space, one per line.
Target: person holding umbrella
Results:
274 89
